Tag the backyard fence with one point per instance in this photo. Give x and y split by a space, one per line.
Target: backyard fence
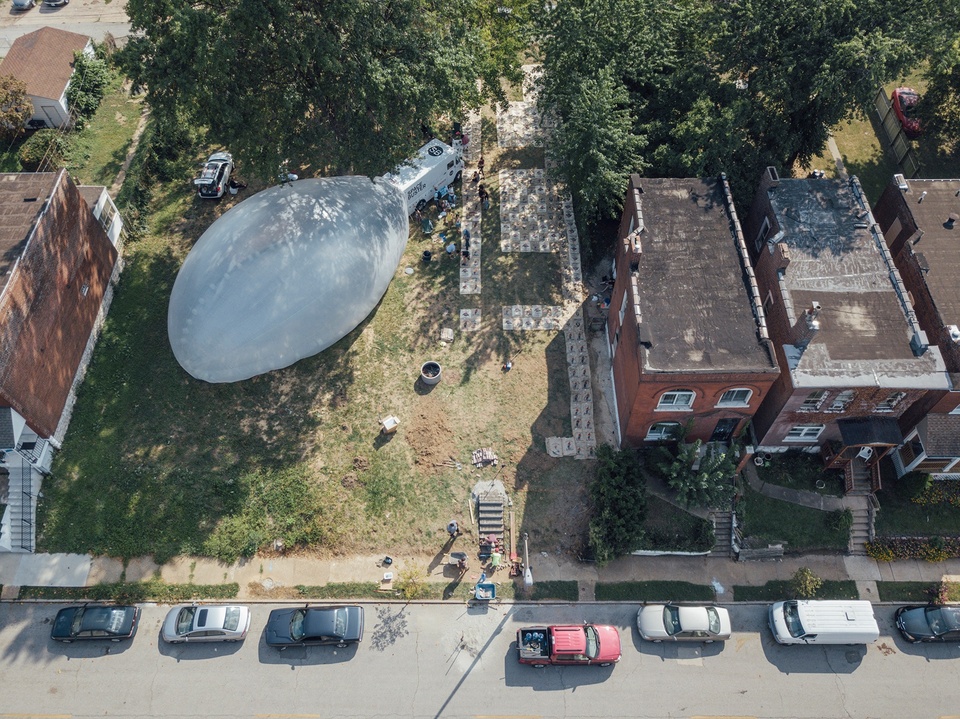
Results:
893 137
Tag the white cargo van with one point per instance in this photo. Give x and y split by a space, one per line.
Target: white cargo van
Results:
810 621
435 165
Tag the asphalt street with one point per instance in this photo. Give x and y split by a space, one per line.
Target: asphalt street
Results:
94 18
454 661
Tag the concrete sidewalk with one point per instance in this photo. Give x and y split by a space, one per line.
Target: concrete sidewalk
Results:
257 574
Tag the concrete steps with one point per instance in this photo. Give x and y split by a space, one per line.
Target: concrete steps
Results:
490 515
861 531
722 529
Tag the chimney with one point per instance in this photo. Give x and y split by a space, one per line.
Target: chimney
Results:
807 326
782 256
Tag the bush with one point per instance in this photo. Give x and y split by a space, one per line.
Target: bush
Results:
412 583
134 592
619 504
840 520
931 549
711 485
911 486
805 584
87 86
45 151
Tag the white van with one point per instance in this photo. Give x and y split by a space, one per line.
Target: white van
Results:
436 165
810 621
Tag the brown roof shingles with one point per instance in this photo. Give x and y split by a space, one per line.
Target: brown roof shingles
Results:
43 59
45 315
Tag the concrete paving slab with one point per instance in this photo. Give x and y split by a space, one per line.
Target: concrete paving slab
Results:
104 570
140 569
862 568
53 570
868 590
9 563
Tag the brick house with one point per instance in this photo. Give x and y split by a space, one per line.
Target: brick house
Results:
57 268
853 356
919 219
686 330
44 61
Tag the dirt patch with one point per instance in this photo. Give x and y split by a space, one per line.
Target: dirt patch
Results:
429 435
349 481
361 464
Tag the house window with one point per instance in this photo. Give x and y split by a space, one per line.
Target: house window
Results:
841 401
768 303
803 432
678 401
890 402
764 233
735 398
663 430
813 401
623 307
84 290
615 343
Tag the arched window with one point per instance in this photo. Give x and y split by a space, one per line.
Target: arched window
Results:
676 400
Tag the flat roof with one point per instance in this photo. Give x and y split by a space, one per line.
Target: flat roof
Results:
23 196
940 244
692 292
836 259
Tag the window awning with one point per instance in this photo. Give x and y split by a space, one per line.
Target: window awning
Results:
864 431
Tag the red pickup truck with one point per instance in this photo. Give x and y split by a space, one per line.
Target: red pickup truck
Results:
569 644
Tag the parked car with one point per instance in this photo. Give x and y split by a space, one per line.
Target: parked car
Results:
95 621
315 625
929 623
905 101
213 623
580 644
21 5
215 176
56 3
672 623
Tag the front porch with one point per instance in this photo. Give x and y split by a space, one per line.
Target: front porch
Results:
863 442
932 447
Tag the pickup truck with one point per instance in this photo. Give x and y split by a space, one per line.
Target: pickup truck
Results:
569 644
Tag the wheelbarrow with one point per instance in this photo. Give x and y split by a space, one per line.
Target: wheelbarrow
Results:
484 591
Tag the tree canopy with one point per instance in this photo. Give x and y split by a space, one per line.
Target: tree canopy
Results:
15 106
717 87
619 494
339 86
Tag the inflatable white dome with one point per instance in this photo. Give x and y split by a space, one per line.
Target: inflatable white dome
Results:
285 274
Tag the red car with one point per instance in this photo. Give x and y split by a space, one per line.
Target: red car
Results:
597 644
904 101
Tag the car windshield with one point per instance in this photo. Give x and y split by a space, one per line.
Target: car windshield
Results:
943 619
792 617
340 622
296 625
77 620
185 619
671 620
232 619
593 642
713 616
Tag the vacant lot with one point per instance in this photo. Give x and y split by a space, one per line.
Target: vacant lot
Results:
159 463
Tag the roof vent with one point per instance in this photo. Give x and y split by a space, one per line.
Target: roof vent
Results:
954 333
901 182
30 199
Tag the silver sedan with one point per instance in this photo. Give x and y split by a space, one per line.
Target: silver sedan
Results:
206 623
680 623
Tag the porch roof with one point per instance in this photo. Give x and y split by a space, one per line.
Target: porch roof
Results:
941 435
861 431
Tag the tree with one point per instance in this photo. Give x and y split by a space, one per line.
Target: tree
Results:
711 485
15 106
619 504
340 86
87 85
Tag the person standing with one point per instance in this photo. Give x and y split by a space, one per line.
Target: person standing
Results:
453 529
480 164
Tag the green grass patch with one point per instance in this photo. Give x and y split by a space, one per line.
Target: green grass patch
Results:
914 592
100 148
455 590
777 589
653 591
669 528
770 521
899 516
134 592
801 471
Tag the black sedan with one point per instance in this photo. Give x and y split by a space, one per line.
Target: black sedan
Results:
929 623
315 625
95 622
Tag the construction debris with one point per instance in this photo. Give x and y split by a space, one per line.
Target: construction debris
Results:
485 456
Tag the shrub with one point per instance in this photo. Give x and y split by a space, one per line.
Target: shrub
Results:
45 151
412 583
840 520
911 486
711 485
933 549
619 504
87 86
805 584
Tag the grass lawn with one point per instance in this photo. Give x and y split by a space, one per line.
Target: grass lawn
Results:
151 591
898 516
669 528
800 470
100 148
775 590
455 590
914 592
159 463
653 591
799 528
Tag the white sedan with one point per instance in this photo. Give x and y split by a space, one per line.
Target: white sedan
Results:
206 623
678 623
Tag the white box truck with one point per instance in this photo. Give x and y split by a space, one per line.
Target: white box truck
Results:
435 165
810 621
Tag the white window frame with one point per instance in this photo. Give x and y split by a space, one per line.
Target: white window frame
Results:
763 234
891 402
814 401
735 403
623 305
668 430
843 400
808 432
661 407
